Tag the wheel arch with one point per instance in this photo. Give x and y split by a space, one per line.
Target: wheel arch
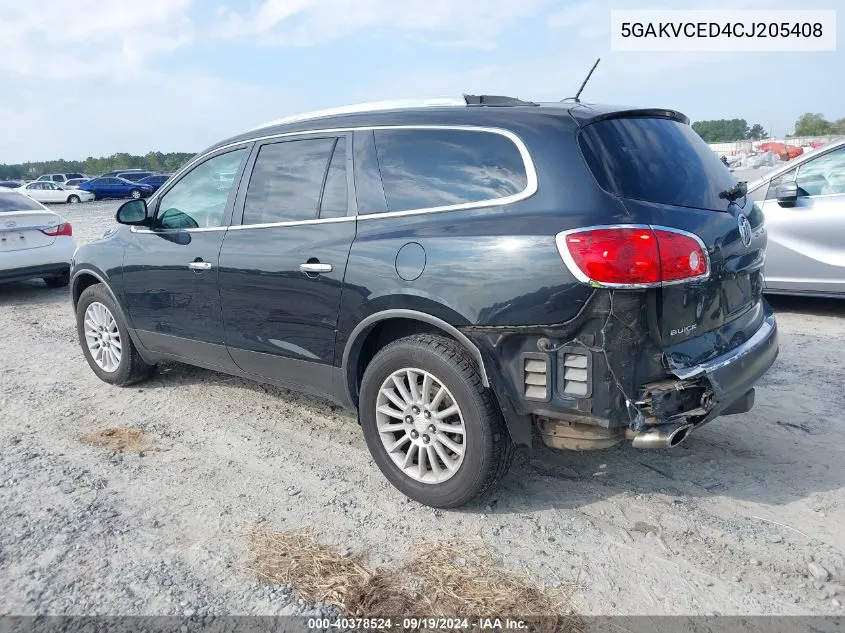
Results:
381 328
84 278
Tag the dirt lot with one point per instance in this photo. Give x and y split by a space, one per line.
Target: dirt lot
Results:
744 518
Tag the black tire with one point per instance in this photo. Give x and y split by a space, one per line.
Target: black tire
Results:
132 368
73 199
488 446
57 282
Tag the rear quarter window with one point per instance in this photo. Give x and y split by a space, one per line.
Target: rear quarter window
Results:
421 169
655 160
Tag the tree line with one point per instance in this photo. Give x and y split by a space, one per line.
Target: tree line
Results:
152 161
728 130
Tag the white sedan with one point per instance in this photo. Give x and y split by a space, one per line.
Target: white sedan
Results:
34 241
44 191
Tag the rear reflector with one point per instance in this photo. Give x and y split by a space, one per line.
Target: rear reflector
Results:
633 256
62 229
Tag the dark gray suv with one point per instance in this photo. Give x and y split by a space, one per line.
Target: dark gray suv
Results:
467 274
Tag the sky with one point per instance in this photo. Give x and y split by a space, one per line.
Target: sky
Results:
95 77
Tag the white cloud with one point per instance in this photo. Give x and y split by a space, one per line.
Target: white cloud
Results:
91 38
310 22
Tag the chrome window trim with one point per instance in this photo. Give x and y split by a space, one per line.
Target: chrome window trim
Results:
566 256
531 184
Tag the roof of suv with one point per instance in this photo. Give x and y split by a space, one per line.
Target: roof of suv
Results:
444 110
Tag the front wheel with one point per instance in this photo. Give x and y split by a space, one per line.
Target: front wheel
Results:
105 339
135 194
431 426
73 199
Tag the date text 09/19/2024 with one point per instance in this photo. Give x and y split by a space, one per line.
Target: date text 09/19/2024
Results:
446 624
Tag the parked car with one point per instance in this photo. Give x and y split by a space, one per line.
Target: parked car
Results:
117 172
134 176
11 184
461 275
155 181
114 187
804 205
61 178
45 191
34 241
74 183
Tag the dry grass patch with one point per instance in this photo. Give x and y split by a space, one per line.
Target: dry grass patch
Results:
447 579
127 439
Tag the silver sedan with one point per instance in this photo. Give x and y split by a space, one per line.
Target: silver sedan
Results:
804 205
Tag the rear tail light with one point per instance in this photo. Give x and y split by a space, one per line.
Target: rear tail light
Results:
633 256
64 228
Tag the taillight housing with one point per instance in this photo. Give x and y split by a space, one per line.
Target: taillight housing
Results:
633 256
64 228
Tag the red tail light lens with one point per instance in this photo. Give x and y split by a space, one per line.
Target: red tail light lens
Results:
62 229
633 256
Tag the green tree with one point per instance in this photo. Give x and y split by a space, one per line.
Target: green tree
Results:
153 161
813 124
757 133
721 130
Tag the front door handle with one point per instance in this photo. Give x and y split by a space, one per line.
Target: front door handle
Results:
315 267
200 265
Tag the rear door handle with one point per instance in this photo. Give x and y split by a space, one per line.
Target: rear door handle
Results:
312 268
200 265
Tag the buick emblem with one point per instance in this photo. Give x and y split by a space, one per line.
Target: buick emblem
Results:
11 223
744 229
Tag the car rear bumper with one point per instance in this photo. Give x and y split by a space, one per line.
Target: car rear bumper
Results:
59 269
733 375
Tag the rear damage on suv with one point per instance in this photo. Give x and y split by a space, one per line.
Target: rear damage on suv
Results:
675 331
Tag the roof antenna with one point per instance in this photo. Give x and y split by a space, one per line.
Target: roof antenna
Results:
586 79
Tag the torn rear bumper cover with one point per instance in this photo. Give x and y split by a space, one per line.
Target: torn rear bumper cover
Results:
732 375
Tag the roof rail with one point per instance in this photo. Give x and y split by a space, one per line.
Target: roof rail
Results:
495 100
372 106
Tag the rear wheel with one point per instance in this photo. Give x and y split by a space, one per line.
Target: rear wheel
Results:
135 194
432 428
105 339
73 199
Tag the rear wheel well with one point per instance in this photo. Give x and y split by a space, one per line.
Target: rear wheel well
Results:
381 334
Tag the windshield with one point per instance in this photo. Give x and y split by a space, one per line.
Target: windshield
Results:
12 201
656 160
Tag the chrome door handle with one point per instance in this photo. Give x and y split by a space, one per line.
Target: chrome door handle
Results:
315 268
200 265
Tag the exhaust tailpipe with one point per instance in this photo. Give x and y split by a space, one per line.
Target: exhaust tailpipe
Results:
665 436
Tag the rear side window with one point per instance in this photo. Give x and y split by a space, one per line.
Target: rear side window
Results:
335 203
286 181
421 169
11 201
656 160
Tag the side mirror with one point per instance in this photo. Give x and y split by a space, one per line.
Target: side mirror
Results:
133 213
787 194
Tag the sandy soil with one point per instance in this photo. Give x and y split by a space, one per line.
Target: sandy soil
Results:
744 518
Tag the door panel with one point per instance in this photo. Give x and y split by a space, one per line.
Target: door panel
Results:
170 272
280 284
806 250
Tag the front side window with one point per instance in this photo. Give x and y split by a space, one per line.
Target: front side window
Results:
287 181
824 175
199 199
434 168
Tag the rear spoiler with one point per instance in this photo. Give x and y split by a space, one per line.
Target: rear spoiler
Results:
585 114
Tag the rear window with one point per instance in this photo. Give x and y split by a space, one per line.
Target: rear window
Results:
11 201
656 160
421 169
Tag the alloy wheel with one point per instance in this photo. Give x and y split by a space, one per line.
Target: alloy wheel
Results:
102 337
421 425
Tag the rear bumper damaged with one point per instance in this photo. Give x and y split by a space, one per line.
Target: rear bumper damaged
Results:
600 379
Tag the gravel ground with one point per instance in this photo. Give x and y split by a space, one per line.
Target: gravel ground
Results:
744 518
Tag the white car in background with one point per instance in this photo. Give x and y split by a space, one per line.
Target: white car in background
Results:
45 191
34 241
